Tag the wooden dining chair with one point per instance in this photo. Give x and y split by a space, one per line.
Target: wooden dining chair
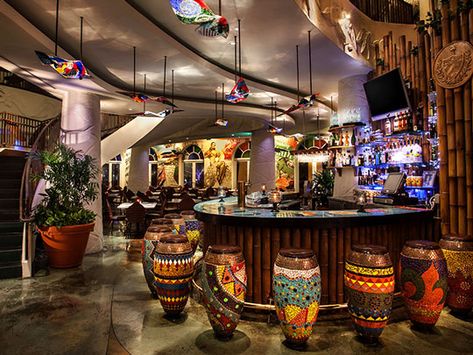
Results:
187 203
113 217
135 220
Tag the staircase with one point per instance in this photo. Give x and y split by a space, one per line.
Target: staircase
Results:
11 229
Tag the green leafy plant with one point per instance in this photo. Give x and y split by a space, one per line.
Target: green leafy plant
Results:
71 179
324 182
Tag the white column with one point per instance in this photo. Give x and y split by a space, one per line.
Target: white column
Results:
351 96
262 161
138 178
80 124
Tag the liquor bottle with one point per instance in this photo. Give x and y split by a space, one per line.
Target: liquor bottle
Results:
353 139
396 123
387 127
347 139
340 141
420 119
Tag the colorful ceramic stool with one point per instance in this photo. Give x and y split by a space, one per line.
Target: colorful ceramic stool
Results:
297 290
161 221
150 240
224 288
369 287
191 229
176 219
173 271
459 255
423 281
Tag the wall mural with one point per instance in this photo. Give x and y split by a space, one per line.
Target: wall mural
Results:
167 173
218 154
285 162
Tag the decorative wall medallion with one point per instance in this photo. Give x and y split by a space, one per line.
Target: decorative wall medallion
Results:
453 65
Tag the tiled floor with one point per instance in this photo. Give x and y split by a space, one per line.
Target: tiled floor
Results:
104 307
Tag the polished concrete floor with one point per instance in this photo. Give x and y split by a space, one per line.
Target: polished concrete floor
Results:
104 307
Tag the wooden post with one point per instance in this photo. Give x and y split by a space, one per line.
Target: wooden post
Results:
402 51
468 142
385 53
450 119
443 149
422 79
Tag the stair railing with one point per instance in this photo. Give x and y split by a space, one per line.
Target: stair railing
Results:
46 139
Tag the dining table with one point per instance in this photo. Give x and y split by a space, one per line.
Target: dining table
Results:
147 205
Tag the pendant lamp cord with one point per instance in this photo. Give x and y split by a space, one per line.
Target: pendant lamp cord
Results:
239 47
57 28
310 64
165 70
172 86
134 70
144 92
81 34
236 58
298 74
216 106
223 100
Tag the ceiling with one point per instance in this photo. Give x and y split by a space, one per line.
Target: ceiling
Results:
201 65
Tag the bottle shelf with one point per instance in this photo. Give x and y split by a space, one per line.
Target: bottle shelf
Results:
387 165
346 126
405 133
342 147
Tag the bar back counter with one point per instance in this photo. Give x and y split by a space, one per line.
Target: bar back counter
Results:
330 233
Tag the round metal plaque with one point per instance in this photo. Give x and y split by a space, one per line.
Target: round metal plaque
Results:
453 65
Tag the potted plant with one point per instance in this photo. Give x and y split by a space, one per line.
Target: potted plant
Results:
61 218
322 187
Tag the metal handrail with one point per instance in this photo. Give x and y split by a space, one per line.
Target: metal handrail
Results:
46 136
26 196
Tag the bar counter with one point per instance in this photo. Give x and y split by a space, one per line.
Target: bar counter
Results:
330 233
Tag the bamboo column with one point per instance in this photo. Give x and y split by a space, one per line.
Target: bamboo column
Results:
443 149
450 125
402 51
468 140
385 53
460 110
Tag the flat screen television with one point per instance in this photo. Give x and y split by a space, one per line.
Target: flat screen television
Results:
386 95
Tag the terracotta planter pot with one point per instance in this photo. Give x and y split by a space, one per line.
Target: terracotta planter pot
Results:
173 271
65 246
150 241
459 255
297 291
369 286
188 214
423 281
224 288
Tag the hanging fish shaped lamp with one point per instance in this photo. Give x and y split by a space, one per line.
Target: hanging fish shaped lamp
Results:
197 12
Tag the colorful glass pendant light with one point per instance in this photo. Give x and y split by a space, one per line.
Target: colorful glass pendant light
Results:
68 69
307 101
220 122
197 12
240 90
143 97
272 126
